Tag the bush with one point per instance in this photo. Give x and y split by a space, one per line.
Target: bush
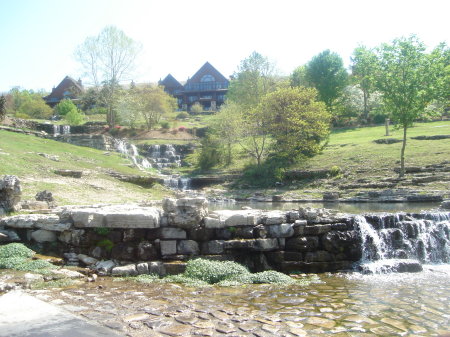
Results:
196 108
271 276
213 271
15 250
74 117
165 125
182 115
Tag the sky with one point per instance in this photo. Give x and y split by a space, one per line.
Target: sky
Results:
38 37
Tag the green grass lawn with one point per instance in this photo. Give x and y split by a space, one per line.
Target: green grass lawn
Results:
19 155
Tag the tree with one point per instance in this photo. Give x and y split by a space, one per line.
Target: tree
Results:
254 78
74 117
197 108
151 103
227 125
108 59
408 79
298 77
64 107
299 123
2 108
364 67
327 74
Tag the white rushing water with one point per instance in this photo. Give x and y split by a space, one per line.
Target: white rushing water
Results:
392 240
61 130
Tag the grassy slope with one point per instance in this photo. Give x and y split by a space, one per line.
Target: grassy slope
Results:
19 156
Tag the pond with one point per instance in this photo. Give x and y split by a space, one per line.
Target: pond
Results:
353 208
408 304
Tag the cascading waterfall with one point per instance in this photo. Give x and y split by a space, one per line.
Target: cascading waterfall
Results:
393 242
130 151
61 130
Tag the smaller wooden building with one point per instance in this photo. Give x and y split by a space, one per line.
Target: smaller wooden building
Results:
67 89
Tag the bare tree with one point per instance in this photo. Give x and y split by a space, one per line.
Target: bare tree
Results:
108 59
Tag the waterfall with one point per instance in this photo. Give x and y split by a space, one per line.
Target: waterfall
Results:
60 130
130 151
388 241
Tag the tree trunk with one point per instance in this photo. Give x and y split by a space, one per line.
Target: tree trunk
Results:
402 153
366 105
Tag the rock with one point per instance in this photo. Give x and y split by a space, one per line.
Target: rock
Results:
66 273
213 247
330 196
42 235
117 216
123 251
8 236
10 193
229 218
281 231
188 247
29 221
31 278
49 156
104 267
302 244
274 218
34 205
156 267
146 251
172 233
69 173
44 196
128 270
445 204
185 212
424 198
168 247
142 268
87 260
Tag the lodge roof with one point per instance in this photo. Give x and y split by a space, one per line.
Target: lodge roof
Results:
170 82
207 69
67 83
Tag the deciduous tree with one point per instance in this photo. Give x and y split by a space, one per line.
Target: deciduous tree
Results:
327 74
364 67
108 59
409 80
2 107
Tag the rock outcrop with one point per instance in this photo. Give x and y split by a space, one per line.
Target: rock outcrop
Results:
10 193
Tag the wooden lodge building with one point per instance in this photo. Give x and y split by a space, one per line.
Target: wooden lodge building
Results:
207 87
67 89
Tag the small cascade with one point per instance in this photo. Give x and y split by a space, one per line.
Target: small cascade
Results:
177 182
163 156
403 241
61 130
130 151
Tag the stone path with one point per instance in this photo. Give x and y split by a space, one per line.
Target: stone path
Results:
26 316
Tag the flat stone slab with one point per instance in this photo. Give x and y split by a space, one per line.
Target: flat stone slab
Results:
116 216
26 316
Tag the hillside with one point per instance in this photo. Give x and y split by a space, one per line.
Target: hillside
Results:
35 159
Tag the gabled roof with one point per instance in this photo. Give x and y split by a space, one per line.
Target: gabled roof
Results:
170 82
67 83
207 69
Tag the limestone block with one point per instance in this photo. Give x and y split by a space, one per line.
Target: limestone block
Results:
172 233
213 247
274 218
156 267
212 223
318 256
128 270
281 231
302 244
146 251
185 212
117 216
72 237
293 216
142 268
168 247
263 245
188 247
87 260
42 235
104 267
10 192
314 229
55 227
30 220
229 218
8 236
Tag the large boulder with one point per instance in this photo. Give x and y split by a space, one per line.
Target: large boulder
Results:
10 192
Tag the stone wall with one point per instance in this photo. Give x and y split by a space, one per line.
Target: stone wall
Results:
100 142
130 237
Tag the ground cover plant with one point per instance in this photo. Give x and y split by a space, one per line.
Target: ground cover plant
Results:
17 256
202 272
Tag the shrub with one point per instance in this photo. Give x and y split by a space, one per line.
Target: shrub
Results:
102 230
196 108
107 244
165 125
15 250
213 271
74 117
271 276
182 115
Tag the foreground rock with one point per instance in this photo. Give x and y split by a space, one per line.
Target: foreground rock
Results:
10 193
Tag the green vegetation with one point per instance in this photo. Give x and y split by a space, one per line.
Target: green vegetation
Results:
20 156
17 256
202 272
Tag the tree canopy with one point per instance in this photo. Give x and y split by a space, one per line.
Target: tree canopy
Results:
327 74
